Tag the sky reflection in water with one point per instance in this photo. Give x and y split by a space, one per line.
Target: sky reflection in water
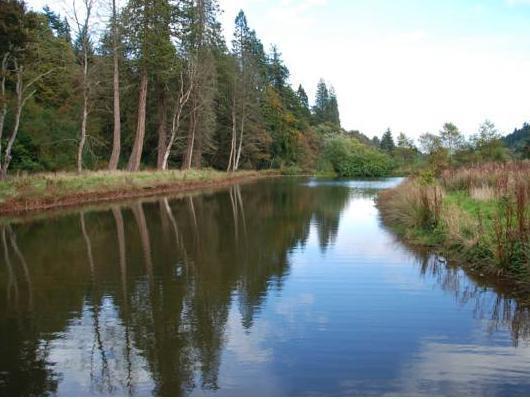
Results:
282 287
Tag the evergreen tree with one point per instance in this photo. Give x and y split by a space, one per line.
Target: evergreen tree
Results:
302 96
321 103
332 108
60 27
387 142
278 72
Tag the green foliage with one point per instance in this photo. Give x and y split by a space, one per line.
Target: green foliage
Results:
519 141
387 142
351 158
326 107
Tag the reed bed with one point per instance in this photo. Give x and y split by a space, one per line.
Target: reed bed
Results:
479 214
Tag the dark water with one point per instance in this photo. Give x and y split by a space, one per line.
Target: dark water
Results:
282 287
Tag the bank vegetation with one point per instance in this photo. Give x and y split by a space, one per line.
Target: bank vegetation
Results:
477 214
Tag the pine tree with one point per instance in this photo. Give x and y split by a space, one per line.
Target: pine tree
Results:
332 108
321 102
302 96
387 141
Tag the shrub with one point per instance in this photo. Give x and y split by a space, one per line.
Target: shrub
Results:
349 157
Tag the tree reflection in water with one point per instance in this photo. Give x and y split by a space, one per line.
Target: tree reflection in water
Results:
501 304
149 314
157 291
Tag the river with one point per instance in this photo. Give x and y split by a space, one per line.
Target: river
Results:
285 286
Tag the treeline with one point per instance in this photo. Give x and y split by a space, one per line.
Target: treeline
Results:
519 141
153 84
450 148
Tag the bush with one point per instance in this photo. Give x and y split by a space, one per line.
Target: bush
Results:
349 157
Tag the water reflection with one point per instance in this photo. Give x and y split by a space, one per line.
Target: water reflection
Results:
501 304
155 297
140 294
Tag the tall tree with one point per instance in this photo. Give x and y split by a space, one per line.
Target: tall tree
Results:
387 141
332 108
302 96
146 31
451 138
321 102
488 142
22 62
247 51
202 38
84 51
116 136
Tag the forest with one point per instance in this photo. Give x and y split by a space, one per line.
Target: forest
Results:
150 85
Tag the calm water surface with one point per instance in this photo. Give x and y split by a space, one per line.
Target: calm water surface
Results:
281 287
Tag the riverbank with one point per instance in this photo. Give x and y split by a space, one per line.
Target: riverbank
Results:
476 215
49 191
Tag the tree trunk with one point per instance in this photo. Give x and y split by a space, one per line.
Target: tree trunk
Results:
116 138
179 107
18 112
84 117
162 132
236 165
136 154
196 157
3 99
174 129
233 141
188 152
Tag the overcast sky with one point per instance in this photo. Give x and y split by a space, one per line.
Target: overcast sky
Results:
410 65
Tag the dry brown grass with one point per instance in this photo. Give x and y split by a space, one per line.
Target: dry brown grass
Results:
497 176
481 212
412 205
484 193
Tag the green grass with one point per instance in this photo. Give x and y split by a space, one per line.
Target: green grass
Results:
63 184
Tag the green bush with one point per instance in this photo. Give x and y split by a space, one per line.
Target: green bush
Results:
351 158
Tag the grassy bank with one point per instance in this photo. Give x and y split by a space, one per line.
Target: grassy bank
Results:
47 191
479 215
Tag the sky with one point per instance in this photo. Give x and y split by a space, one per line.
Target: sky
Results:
408 65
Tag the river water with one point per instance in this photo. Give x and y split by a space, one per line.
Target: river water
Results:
287 286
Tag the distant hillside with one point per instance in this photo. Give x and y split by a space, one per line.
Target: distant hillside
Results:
519 141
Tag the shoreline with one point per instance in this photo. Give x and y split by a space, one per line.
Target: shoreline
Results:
31 195
478 233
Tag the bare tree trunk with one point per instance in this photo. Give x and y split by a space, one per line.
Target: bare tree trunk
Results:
3 99
116 137
162 132
83 30
136 154
177 113
84 117
18 112
233 142
236 164
188 154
